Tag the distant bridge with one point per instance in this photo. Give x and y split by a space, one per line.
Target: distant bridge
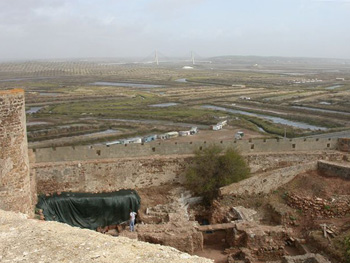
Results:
157 58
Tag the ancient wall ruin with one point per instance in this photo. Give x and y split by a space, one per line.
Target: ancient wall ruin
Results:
344 144
331 169
170 148
15 186
107 175
141 172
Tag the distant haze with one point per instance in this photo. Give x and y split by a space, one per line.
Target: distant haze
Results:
44 29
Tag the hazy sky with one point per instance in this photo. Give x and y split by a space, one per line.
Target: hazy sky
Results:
123 28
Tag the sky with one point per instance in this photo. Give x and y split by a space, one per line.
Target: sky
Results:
51 29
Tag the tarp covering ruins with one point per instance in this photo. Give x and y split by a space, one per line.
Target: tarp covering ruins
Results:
88 210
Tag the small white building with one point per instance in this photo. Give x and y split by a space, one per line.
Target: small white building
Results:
216 127
135 140
114 142
239 135
184 133
173 134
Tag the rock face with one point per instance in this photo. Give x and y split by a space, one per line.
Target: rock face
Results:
28 240
15 192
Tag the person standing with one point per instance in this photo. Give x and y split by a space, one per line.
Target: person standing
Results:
132 220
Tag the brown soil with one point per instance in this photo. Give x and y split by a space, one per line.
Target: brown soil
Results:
154 195
214 252
314 185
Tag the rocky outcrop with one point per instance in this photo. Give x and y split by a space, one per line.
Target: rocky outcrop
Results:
28 240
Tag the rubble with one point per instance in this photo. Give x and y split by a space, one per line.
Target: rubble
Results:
318 207
223 214
175 228
258 242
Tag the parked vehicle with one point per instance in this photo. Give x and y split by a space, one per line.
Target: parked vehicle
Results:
149 138
173 134
216 127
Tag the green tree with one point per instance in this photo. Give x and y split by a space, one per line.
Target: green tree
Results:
213 168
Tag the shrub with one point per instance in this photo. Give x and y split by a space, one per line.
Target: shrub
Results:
214 168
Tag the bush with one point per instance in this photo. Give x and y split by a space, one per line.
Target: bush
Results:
212 168
346 243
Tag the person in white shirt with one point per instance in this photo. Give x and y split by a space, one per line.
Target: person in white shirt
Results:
132 220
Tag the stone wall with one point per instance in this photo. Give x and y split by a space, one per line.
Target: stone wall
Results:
170 148
267 182
15 187
344 144
108 175
334 169
141 172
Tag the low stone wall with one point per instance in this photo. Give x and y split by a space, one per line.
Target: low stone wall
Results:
267 182
334 169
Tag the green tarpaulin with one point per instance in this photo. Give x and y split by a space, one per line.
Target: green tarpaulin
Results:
87 210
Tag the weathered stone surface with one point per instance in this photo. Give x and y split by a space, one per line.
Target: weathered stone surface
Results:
307 258
344 144
162 148
28 240
108 175
181 235
215 227
334 169
141 172
259 236
266 182
15 186
245 214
